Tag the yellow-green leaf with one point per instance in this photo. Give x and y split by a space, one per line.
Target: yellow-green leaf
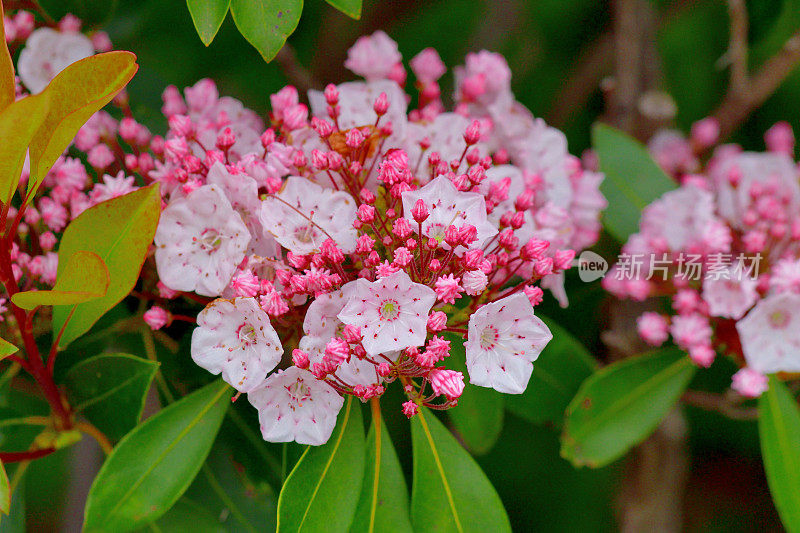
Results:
75 95
208 16
266 24
119 230
5 491
7 89
6 348
83 278
19 122
351 8
779 429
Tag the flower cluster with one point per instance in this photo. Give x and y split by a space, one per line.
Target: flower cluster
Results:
366 239
728 247
102 163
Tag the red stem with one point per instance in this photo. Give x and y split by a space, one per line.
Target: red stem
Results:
16 457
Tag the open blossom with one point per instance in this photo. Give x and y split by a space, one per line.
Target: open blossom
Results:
47 52
391 312
504 340
235 338
749 383
199 242
373 56
770 334
294 406
304 214
730 295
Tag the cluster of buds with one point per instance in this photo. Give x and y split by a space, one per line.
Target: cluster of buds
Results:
725 248
356 243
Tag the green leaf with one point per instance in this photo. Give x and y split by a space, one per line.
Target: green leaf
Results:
208 16
266 24
120 231
351 8
779 428
7 86
557 375
83 278
19 122
632 180
478 417
5 491
450 491
6 348
15 523
322 491
155 463
75 94
187 515
621 404
384 497
110 390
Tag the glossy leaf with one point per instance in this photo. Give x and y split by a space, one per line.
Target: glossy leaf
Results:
478 417
208 16
120 231
632 180
75 94
450 491
621 404
155 463
7 86
351 8
19 122
779 429
266 24
5 491
6 348
15 522
187 515
383 505
557 375
110 390
83 278
322 491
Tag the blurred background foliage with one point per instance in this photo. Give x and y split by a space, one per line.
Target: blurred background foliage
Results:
559 51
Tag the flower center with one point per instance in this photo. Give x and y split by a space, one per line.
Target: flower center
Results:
779 319
247 334
210 240
304 233
389 309
489 337
298 393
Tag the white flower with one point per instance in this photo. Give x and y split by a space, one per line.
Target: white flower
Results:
392 312
305 214
373 56
770 334
730 294
446 135
322 324
504 339
200 241
47 52
680 217
294 406
235 338
448 206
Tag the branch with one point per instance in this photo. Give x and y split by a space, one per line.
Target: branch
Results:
294 71
737 49
719 403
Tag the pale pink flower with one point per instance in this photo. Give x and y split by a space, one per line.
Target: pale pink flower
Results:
504 340
770 334
303 215
294 406
691 330
156 317
731 294
113 187
373 56
474 282
447 206
200 241
653 328
235 338
427 66
749 383
785 276
679 217
391 312
47 52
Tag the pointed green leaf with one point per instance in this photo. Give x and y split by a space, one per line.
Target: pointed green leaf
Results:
632 180
557 374
19 122
351 8
383 505
621 404
5 491
110 390
322 491
450 491
208 16
7 85
6 348
478 417
779 428
266 24
120 231
75 94
83 278
155 463
15 522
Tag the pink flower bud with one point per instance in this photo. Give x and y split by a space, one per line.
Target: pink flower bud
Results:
410 408
446 382
419 211
300 358
437 321
156 317
381 105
